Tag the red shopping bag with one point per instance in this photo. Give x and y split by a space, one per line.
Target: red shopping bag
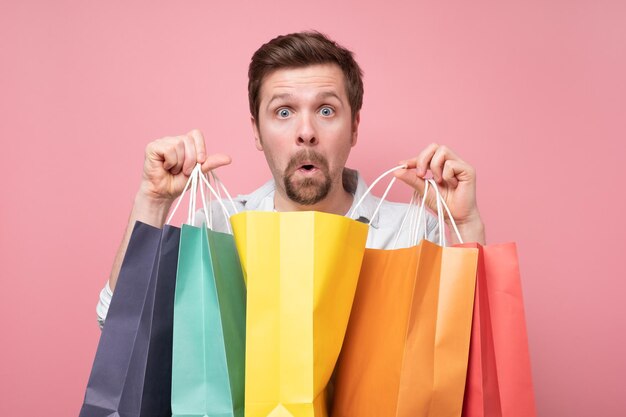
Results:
499 382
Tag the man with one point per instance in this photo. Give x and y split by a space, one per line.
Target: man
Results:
305 94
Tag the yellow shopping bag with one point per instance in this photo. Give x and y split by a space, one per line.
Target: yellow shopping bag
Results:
301 270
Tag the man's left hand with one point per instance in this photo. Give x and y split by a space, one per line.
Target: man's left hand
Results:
457 183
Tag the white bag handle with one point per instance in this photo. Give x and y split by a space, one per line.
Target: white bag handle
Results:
223 187
441 205
369 190
420 219
413 205
211 176
219 200
192 185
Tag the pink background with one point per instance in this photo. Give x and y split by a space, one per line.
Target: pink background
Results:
533 93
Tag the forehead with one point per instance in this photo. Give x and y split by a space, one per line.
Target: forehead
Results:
326 77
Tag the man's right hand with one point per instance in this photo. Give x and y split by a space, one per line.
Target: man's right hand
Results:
167 166
168 163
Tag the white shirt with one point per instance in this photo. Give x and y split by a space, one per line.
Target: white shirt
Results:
384 227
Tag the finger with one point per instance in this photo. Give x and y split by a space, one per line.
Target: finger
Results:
156 150
190 154
462 170
164 151
450 169
215 161
176 147
198 140
153 152
411 178
422 161
441 156
436 164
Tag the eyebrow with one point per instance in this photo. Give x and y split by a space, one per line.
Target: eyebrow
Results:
278 97
320 95
327 94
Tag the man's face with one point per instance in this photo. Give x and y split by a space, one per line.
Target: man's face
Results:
305 129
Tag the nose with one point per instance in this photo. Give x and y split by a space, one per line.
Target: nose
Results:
307 134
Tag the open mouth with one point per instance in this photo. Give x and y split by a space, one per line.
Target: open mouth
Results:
307 164
308 170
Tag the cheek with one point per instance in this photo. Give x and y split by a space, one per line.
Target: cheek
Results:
274 125
343 131
273 151
342 138
338 155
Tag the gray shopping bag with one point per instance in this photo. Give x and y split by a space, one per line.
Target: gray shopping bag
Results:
132 370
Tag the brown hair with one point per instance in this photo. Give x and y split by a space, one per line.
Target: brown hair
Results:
298 50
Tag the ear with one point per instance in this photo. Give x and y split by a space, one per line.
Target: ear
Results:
257 135
355 127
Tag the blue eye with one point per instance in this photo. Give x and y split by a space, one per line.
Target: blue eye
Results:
327 111
284 113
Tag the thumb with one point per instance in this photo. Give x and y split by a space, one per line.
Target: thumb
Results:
410 177
215 161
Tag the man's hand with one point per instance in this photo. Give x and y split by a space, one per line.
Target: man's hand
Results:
169 162
457 182
167 166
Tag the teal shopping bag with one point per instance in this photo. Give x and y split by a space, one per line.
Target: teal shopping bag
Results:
209 327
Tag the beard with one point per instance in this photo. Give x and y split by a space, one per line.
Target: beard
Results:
307 191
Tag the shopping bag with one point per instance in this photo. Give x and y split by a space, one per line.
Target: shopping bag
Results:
157 387
209 324
301 270
499 382
406 347
132 369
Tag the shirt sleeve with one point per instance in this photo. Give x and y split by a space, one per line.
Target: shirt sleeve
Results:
103 304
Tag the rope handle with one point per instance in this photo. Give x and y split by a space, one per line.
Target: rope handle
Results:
369 190
441 206
414 205
196 177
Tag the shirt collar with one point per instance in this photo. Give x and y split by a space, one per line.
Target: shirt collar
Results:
366 209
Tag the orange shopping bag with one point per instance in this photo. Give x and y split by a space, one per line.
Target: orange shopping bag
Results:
499 382
406 347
